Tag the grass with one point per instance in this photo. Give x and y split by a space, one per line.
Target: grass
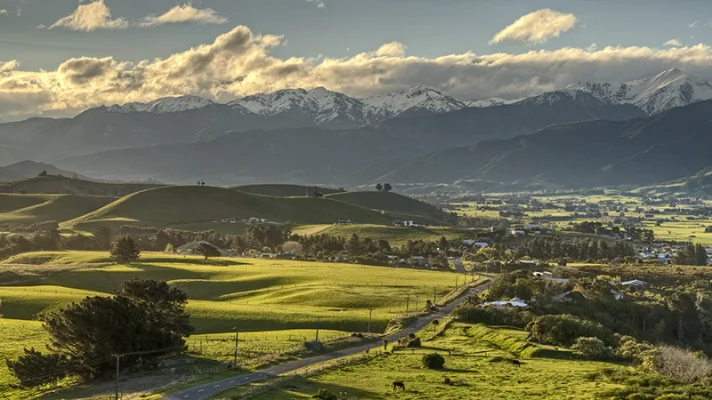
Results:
481 367
277 190
181 205
401 206
396 236
252 294
16 335
53 184
29 209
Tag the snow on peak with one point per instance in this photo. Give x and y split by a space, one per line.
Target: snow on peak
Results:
491 102
163 105
414 100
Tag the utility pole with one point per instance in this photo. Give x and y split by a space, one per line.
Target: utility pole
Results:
317 328
434 294
370 311
118 357
407 303
237 336
416 303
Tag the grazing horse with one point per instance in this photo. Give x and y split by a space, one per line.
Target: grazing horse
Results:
397 385
516 363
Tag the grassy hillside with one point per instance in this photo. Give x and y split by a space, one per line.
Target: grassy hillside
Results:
29 169
257 295
394 235
171 206
16 209
53 184
283 190
478 368
398 205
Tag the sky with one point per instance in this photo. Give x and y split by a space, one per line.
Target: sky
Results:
59 57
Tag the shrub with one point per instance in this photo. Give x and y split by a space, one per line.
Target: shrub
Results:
433 361
591 348
324 394
492 316
679 364
630 349
565 329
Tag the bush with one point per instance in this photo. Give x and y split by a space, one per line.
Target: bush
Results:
492 316
565 329
630 349
125 250
433 361
324 394
678 363
591 348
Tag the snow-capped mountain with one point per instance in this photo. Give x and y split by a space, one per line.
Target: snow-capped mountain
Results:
653 95
415 101
164 105
321 105
491 102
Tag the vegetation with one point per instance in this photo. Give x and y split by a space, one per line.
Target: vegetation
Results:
124 250
433 361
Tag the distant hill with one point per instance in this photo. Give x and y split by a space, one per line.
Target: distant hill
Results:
641 151
277 190
181 205
699 184
16 209
397 205
29 169
53 184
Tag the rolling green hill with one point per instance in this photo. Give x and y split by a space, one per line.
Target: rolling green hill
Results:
401 207
53 184
17 209
181 205
283 190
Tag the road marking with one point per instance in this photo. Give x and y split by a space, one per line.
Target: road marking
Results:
186 396
201 390
216 386
232 381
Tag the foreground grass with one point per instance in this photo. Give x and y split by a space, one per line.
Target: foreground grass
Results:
479 366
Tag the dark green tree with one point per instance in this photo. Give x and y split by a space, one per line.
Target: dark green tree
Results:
207 250
379 187
34 368
125 250
353 246
387 187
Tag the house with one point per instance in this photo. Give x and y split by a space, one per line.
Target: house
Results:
403 223
344 222
515 302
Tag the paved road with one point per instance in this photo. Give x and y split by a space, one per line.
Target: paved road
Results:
210 389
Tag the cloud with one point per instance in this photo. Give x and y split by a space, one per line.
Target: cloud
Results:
239 63
3 12
393 49
536 27
184 13
694 24
673 43
319 3
90 17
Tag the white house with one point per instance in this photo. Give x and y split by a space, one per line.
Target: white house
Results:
635 283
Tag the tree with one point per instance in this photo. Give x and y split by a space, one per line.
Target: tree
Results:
353 246
324 394
387 187
379 187
35 368
43 173
433 361
591 348
293 248
125 250
142 316
103 237
207 250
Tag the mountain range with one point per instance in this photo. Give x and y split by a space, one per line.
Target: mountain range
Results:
320 136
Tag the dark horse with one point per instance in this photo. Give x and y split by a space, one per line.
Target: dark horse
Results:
516 363
397 385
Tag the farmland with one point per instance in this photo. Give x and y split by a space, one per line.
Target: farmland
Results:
478 364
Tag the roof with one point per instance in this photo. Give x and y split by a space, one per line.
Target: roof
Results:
634 282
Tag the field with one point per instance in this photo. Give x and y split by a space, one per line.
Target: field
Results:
283 190
180 205
396 236
228 292
53 184
394 204
29 209
478 363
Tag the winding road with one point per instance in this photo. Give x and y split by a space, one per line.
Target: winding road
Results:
207 390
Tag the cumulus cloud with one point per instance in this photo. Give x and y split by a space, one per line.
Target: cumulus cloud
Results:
3 12
184 13
319 3
673 43
239 63
393 49
536 27
90 17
